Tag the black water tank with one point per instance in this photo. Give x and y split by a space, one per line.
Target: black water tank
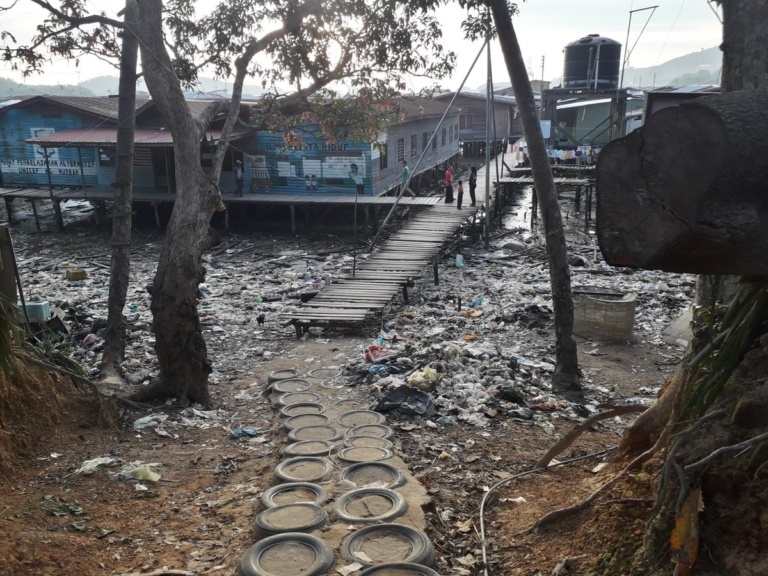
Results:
592 62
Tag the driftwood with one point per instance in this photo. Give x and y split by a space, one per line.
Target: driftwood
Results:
686 192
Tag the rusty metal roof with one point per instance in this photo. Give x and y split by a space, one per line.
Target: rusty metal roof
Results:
415 108
99 106
89 137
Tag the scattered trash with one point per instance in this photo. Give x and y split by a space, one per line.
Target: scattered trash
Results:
95 464
423 378
139 471
407 400
246 432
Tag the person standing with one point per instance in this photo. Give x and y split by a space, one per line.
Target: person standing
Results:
472 184
239 179
449 185
357 178
459 194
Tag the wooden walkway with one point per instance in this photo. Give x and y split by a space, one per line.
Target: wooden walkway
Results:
393 267
157 196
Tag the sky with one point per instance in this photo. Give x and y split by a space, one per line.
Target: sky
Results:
544 27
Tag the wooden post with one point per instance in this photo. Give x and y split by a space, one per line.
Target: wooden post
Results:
434 269
293 219
157 214
367 217
9 209
534 207
58 214
82 171
34 211
226 217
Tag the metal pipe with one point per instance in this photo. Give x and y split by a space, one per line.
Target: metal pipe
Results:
488 89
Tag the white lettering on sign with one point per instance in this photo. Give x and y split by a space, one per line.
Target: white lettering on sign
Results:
37 166
40 152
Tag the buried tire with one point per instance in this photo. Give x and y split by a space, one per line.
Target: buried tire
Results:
383 543
306 554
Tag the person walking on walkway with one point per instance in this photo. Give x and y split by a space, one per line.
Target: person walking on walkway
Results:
239 178
472 184
449 185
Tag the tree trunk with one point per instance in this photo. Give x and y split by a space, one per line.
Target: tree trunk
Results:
686 192
731 527
114 340
567 366
179 343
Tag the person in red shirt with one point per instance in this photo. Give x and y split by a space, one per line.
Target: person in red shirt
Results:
449 185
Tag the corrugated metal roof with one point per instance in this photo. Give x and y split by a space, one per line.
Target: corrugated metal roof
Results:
498 98
108 137
690 89
100 106
415 108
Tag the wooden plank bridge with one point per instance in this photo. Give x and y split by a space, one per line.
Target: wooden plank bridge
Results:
390 269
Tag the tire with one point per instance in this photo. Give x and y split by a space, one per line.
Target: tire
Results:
323 373
375 430
315 517
291 385
323 469
356 454
314 433
401 567
394 476
251 563
421 548
298 397
396 500
268 497
309 448
301 408
368 442
303 420
285 374
355 418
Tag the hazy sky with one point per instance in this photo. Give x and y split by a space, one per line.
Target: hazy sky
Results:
544 27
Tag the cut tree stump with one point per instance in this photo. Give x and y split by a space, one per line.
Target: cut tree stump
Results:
688 191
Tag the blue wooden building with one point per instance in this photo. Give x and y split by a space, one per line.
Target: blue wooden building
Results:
74 139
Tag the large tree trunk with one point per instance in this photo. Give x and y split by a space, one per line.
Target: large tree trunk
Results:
180 347
731 527
114 340
686 192
567 364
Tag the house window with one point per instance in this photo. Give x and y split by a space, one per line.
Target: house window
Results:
382 156
106 156
465 121
414 145
424 140
450 134
400 149
442 138
456 131
434 142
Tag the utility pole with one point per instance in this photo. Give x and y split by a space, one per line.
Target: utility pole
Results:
541 89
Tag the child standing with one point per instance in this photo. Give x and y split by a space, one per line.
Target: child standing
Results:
459 194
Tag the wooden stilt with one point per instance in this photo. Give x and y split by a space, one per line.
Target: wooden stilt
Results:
226 217
59 216
34 211
9 209
157 214
293 219
434 269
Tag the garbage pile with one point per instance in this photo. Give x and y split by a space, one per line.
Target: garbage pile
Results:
479 344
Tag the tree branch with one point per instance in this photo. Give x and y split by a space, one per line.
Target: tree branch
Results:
79 20
725 449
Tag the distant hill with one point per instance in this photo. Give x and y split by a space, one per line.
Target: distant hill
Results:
107 85
702 67
12 88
